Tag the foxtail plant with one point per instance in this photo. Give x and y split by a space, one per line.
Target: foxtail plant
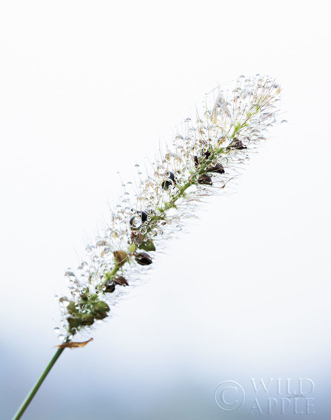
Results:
201 160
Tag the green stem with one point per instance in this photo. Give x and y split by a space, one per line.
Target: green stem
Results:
202 170
111 274
34 390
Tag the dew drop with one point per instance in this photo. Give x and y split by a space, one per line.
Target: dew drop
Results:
56 330
61 337
101 243
71 276
136 221
283 122
89 249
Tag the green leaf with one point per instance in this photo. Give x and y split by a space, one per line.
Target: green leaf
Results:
147 245
132 248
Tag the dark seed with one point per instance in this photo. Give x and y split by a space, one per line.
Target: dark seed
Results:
237 144
166 185
205 180
170 181
121 281
207 154
172 176
110 287
143 258
143 216
218 168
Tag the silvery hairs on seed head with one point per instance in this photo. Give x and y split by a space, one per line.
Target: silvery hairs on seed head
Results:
202 159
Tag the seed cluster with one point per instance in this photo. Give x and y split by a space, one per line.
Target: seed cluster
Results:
200 161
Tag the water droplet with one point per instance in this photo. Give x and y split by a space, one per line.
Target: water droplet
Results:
61 337
71 276
101 243
65 302
89 249
283 122
136 221
56 330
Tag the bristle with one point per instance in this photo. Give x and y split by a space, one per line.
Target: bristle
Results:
202 161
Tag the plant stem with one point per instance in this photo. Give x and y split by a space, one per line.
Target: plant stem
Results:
34 390
111 274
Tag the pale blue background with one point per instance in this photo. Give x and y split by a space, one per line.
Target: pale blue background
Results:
88 88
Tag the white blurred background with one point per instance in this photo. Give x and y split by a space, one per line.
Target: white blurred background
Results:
88 89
